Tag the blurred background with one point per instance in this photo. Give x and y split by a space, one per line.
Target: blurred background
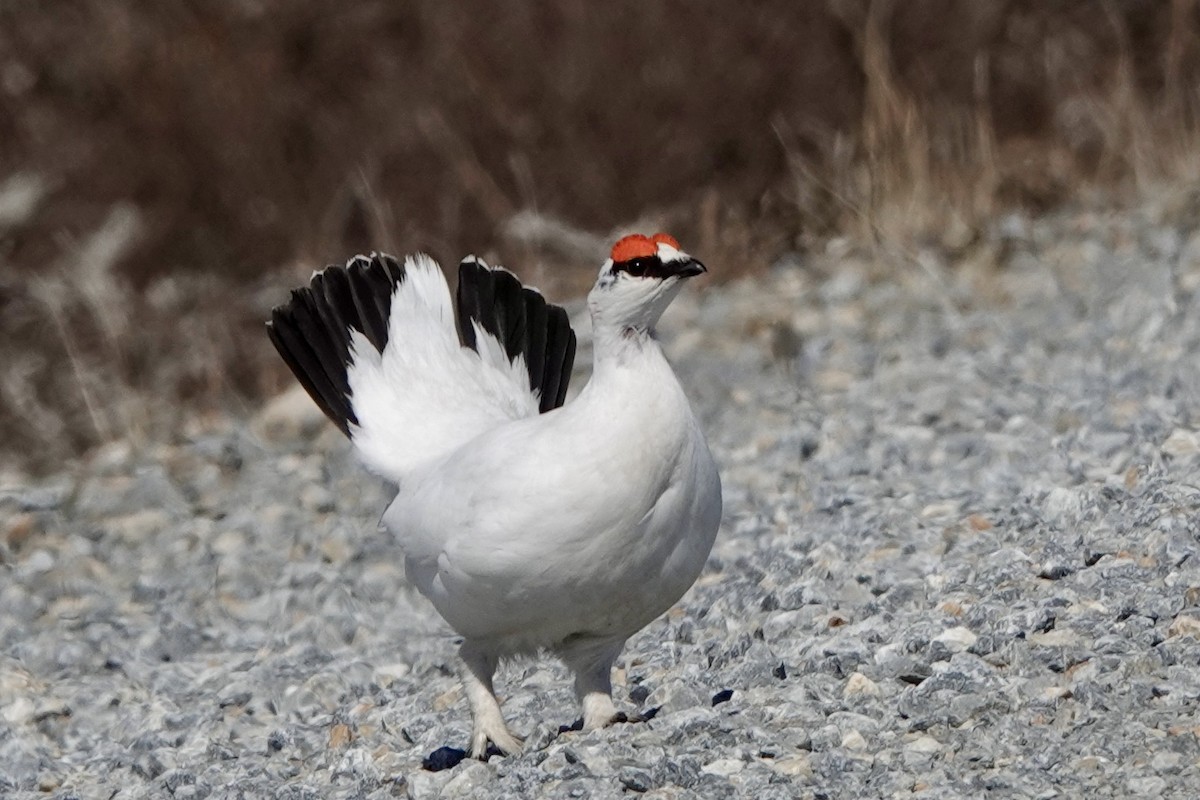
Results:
168 169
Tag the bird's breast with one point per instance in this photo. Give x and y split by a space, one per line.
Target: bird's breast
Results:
592 519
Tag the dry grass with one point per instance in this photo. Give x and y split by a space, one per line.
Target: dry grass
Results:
175 158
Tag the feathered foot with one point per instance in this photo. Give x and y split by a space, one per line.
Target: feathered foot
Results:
488 722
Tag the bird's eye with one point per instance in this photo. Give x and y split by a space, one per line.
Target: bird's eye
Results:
639 267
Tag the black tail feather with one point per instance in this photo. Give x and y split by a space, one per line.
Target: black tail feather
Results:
568 362
307 319
306 366
537 320
476 292
524 323
312 330
335 303
371 288
560 355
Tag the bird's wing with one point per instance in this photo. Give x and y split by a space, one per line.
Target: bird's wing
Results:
375 345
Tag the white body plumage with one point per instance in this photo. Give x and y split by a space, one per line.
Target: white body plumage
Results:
587 521
530 525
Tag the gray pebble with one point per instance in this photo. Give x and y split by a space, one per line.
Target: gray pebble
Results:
959 557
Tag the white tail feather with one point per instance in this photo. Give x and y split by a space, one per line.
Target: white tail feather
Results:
426 394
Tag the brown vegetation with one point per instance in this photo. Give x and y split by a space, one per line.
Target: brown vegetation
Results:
163 160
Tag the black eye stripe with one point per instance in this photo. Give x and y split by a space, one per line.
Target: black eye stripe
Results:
646 266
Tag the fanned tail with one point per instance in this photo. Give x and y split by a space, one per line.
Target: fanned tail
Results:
374 343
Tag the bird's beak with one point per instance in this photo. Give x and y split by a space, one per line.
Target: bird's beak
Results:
688 268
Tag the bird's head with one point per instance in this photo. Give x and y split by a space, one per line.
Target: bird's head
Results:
638 281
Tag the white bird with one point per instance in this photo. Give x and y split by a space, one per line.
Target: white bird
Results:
531 525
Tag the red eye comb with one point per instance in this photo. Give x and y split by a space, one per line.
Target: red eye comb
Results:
638 246
633 246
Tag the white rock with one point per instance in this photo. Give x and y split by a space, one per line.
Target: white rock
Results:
853 740
1062 505
1185 625
957 639
1182 443
924 744
468 780
793 766
1059 637
724 767
860 685
39 560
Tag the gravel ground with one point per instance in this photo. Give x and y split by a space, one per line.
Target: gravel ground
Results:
959 556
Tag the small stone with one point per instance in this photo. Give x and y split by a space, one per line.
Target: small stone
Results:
148 765
957 639
1063 506
469 781
18 529
793 766
1150 786
723 696
1182 443
38 561
951 607
825 738
1091 763
277 740
420 785
1054 570
316 497
1058 637
859 685
178 778
853 740
1185 625
724 767
635 780
924 744
387 674
358 764
978 522
339 736
139 527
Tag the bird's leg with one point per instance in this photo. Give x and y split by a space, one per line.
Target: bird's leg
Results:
592 664
488 723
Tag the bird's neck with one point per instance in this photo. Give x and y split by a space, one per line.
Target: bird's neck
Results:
615 346
629 370
633 387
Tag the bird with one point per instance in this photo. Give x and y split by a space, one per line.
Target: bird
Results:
534 525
